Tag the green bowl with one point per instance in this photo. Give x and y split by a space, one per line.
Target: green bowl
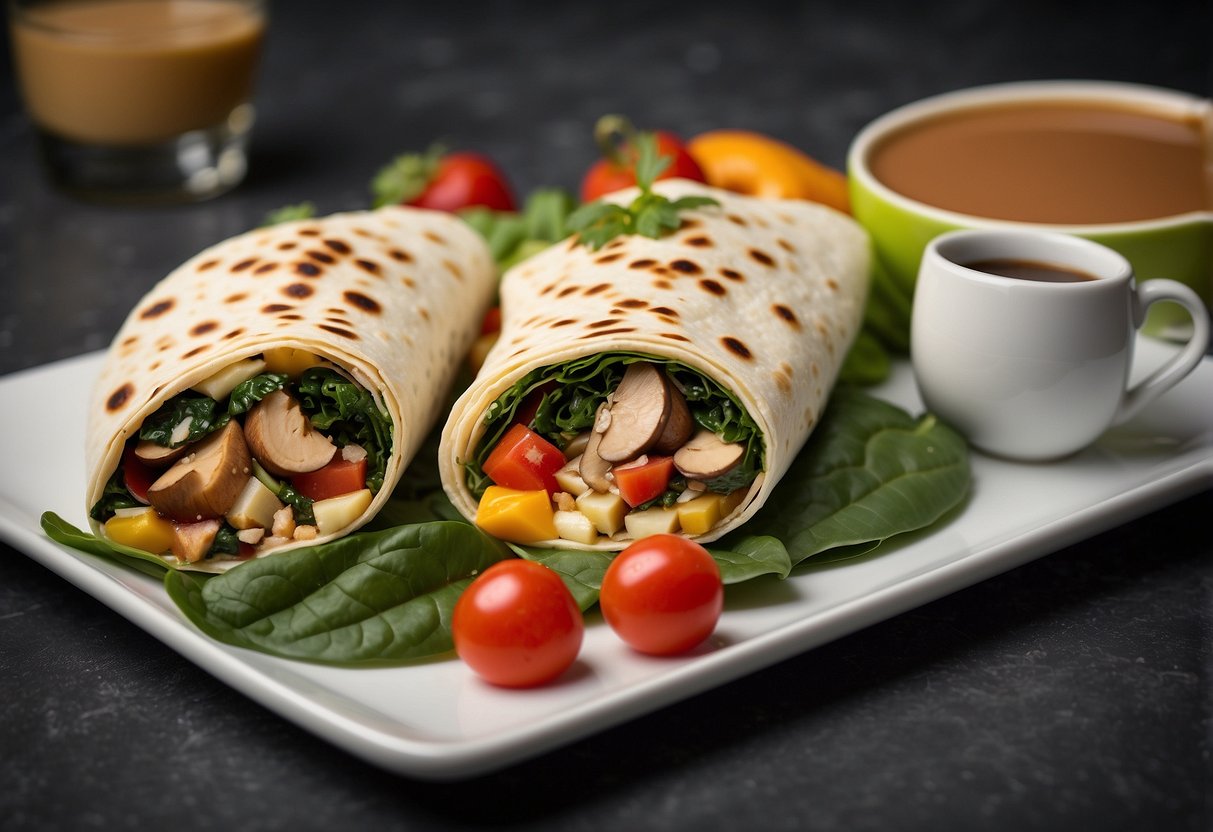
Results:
1178 247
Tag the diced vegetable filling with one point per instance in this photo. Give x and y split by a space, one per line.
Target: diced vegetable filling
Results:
272 449
616 446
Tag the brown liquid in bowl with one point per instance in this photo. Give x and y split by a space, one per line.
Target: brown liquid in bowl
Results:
1065 163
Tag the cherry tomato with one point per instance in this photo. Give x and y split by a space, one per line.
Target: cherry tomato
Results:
137 475
605 175
525 461
641 483
491 322
517 625
337 478
662 595
463 180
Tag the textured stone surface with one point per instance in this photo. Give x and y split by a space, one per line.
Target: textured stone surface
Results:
1074 692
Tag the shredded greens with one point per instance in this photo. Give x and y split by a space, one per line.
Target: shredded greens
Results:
569 397
347 413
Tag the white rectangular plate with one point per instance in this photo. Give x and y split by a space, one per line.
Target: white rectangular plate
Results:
436 720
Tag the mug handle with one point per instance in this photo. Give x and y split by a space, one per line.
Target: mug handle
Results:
1184 361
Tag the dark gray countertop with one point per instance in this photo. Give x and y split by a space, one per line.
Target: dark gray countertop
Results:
1074 692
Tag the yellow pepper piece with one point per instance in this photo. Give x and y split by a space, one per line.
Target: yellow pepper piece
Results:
699 515
289 361
758 165
520 516
147 531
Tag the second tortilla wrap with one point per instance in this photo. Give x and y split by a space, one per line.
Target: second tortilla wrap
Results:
764 297
391 299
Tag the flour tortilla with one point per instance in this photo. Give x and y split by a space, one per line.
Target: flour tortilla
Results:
393 297
762 296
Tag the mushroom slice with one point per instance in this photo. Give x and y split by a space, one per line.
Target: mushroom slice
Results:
706 457
639 413
204 483
158 456
281 437
679 427
593 468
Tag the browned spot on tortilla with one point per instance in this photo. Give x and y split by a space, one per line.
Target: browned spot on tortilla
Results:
674 336
662 284
336 330
603 322
130 339
307 269
423 312
264 268
615 331
369 266
209 264
664 310
244 264
643 263
309 232
157 309
633 303
566 291
699 241
783 377
361 301
321 256
616 243
686 267
119 397
236 298
564 322
155 365
297 290
762 257
608 258
597 288
339 246
198 349
737 347
831 284
785 245
688 223
203 328
400 256
454 269
271 308
287 246
732 274
408 281
235 333
787 314
815 370
334 319
736 220
287 316
821 328
436 238
713 287
547 289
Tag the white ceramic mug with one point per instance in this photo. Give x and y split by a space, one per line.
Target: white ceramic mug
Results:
1037 370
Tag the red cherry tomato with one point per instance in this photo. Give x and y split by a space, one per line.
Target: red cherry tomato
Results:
337 478
517 625
525 460
137 475
605 176
491 322
463 180
662 595
641 483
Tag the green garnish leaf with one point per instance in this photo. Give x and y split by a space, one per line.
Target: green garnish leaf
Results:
289 213
649 215
405 177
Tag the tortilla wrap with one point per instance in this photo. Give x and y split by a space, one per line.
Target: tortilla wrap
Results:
762 296
393 298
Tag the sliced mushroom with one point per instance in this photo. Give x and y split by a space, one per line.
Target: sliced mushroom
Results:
191 541
706 456
594 468
679 427
639 413
281 437
205 482
158 456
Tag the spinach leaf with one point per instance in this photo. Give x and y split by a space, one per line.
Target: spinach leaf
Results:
60 531
870 471
376 598
573 391
347 413
225 543
283 491
204 413
247 393
113 497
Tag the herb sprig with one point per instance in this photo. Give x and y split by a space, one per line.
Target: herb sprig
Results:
649 214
